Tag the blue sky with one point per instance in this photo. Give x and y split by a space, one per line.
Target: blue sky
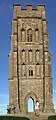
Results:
6 13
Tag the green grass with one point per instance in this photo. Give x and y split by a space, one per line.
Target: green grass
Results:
12 118
52 117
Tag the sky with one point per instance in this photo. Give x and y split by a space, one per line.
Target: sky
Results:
6 15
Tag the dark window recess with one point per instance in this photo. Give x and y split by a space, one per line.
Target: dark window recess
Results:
30 72
37 50
29 35
22 29
37 64
23 50
28 38
23 64
30 50
36 29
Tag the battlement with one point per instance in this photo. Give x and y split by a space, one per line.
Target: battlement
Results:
28 11
28 7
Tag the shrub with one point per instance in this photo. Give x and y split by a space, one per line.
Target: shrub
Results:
12 118
52 117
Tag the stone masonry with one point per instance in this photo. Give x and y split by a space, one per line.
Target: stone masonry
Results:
30 67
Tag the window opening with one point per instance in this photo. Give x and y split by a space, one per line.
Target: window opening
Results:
30 50
23 64
23 50
30 105
29 35
37 64
30 72
37 50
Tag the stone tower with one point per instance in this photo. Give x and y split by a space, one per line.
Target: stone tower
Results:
30 67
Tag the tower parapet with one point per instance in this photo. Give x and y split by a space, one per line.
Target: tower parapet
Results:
29 11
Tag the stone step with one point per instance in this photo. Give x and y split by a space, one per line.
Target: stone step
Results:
32 116
42 116
39 118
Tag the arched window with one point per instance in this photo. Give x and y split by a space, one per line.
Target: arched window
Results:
30 71
37 50
36 35
37 69
37 55
23 35
30 50
30 54
23 70
23 56
23 50
29 35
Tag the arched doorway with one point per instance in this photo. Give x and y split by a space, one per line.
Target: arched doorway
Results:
30 105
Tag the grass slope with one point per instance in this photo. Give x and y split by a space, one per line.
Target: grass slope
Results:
52 117
12 118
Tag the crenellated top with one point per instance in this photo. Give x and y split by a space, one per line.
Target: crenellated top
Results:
28 7
29 11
